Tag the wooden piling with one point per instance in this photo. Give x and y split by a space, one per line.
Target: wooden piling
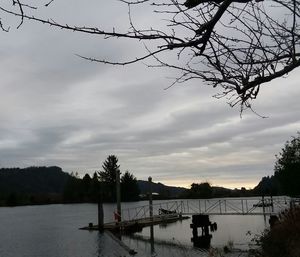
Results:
118 194
202 221
263 204
151 215
100 215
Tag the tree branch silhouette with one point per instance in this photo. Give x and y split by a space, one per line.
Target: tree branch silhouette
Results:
234 45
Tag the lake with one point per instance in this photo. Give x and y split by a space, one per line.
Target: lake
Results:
53 231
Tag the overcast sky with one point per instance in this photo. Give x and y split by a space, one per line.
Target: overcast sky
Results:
58 109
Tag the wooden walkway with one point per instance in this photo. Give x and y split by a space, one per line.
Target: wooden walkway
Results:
138 224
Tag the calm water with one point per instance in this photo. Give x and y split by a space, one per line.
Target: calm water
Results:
52 231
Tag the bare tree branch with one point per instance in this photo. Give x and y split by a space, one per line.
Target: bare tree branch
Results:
234 45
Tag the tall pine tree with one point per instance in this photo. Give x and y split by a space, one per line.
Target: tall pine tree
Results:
108 177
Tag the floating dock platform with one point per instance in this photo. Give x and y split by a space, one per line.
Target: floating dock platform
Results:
138 224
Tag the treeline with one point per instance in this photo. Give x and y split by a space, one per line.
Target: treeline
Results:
91 189
205 190
49 185
286 178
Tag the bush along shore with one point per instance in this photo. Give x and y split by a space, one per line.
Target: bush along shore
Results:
282 239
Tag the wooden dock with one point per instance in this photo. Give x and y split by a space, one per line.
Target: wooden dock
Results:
138 224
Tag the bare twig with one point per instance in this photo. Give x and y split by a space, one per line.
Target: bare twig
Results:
234 45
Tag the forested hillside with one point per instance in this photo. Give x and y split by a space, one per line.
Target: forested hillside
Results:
33 180
32 185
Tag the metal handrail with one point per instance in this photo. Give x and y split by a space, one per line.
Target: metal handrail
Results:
228 206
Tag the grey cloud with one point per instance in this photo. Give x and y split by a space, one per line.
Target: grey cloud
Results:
57 109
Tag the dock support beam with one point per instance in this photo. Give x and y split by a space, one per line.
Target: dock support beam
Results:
150 198
100 214
203 222
263 204
118 193
151 215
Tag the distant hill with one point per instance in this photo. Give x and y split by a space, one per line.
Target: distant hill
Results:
33 185
161 189
33 180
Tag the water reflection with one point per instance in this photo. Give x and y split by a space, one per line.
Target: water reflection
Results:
203 222
152 240
110 245
151 246
143 246
167 224
100 243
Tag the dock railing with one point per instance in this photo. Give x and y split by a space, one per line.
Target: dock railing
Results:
142 212
216 206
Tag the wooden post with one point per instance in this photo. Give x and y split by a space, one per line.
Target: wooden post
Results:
100 213
242 206
263 204
150 198
118 193
151 215
292 203
202 221
272 204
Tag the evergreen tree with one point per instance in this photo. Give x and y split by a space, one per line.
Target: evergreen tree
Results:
129 187
72 190
95 188
86 180
108 177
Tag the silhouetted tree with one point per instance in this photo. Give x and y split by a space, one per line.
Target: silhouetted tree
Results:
95 189
268 186
202 190
235 45
72 190
107 177
86 180
129 187
287 167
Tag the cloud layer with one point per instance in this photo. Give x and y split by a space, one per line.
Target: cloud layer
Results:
58 109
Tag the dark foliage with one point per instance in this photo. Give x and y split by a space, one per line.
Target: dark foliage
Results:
46 185
205 190
268 186
32 185
287 167
79 190
129 187
33 179
286 178
107 177
202 190
283 240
